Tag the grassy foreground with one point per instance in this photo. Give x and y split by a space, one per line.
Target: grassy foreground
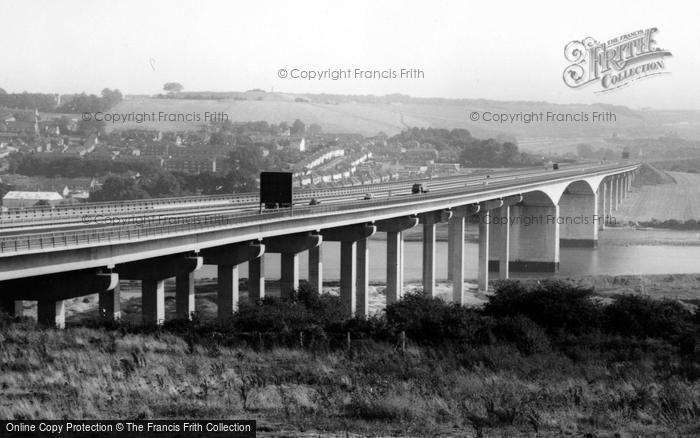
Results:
548 360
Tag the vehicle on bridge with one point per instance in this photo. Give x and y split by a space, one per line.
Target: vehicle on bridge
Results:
276 190
418 188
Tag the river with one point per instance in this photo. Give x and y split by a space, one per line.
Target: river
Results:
620 252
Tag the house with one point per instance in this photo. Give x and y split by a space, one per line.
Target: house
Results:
191 164
18 199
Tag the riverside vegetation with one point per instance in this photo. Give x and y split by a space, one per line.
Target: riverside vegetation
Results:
541 359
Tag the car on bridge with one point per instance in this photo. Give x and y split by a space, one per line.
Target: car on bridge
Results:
418 188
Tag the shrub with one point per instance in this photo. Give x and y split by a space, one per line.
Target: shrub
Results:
306 310
430 319
645 317
523 333
555 305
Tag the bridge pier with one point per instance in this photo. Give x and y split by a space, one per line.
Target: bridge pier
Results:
456 256
578 207
362 278
500 238
451 230
394 229
52 289
12 307
289 247
51 313
109 303
535 234
484 216
152 273
614 188
184 295
349 238
316 268
429 220
227 260
619 190
609 202
256 279
601 195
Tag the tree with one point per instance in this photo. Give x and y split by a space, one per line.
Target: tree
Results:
246 163
110 98
118 188
173 87
298 127
509 154
2 91
162 184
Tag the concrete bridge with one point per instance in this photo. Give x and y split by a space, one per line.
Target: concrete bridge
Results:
523 218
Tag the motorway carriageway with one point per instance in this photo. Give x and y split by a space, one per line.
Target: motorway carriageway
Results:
390 190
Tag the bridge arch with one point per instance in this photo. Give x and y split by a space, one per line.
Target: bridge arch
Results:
534 232
578 213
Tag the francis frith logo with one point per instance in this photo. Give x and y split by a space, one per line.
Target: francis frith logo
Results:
615 63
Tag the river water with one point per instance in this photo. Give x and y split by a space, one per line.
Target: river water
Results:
620 252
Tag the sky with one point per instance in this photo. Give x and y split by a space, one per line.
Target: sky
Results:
500 50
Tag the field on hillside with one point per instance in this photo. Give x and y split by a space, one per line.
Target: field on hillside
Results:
391 118
680 201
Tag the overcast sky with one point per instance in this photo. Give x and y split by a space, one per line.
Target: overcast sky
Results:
487 49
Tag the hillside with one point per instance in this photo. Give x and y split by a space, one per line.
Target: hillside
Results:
370 116
677 198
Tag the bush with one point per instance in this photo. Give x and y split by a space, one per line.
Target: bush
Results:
555 305
644 317
523 333
306 310
429 319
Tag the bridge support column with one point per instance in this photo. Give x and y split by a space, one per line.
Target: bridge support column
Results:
394 229
429 220
535 234
609 203
184 295
348 276
456 256
227 259
619 191
451 225
54 288
12 307
152 273
499 237
289 247
350 238
484 217
256 279
602 194
289 273
109 302
615 186
362 278
51 313
316 268
578 207
153 301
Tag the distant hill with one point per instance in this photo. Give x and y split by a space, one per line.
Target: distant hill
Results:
369 115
